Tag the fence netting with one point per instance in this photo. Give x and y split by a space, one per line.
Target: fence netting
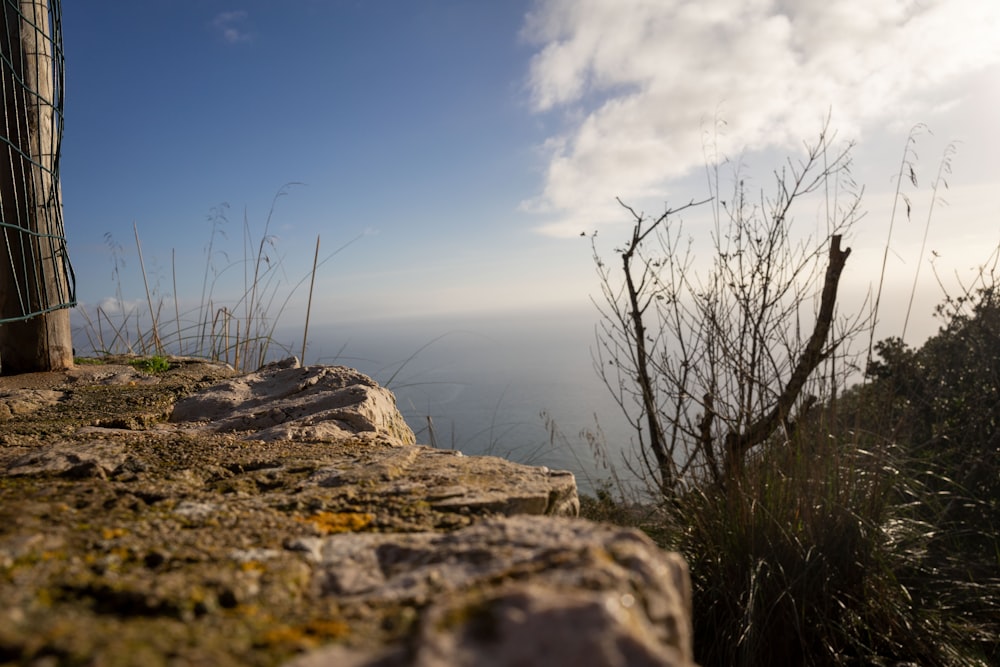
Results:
35 273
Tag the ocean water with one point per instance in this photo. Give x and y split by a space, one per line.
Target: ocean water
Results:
520 386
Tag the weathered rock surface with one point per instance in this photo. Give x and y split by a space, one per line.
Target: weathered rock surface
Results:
286 402
285 517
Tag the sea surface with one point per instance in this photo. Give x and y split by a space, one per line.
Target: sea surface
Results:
521 386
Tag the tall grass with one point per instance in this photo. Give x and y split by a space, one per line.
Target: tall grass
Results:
821 554
907 170
240 331
799 563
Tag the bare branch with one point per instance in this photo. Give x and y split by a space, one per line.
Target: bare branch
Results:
737 444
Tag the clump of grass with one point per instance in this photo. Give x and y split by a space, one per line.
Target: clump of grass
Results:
153 364
814 556
240 332
797 562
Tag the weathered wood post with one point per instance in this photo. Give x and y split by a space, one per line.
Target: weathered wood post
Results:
35 279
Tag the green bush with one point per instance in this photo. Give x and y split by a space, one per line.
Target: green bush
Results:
945 397
868 537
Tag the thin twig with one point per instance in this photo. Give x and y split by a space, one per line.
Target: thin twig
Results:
312 282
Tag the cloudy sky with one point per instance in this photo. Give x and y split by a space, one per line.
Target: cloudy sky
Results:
466 144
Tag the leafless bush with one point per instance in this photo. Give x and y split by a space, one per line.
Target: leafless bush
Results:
710 360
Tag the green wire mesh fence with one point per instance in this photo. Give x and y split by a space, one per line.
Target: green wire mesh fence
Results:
35 273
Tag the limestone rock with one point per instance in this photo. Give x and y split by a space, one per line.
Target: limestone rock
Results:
24 401
285 518
96 458
523 590
285 401
449 481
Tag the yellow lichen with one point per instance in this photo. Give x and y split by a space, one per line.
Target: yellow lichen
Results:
43 597
326 628
308 635
112 533
338 522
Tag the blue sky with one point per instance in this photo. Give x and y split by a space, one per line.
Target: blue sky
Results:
469 142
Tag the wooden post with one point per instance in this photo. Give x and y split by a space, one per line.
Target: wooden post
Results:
32 268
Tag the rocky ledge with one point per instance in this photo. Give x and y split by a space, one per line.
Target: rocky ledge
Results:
287 517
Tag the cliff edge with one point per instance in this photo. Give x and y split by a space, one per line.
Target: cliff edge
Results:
287 517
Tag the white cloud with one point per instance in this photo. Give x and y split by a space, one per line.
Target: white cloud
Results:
637 84
232 26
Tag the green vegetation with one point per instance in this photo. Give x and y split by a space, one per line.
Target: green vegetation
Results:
833 510
870 536
153 364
